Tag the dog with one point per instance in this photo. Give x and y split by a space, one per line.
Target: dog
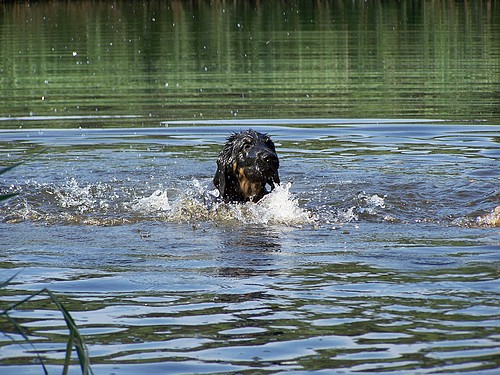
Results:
247 163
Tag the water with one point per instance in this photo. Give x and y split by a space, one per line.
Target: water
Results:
378 252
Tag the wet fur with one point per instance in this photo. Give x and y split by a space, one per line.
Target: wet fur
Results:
247 163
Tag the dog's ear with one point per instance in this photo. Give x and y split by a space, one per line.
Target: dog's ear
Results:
220 178
276 178
273 181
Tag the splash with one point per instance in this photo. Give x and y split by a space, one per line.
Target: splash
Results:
82 198
361 206
369 204
488 220
123 202
278 207
68 202
346 216
199 203
155 203
491 219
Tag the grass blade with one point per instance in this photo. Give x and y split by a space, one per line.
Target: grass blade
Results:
7 282
21 331
2 171
6 169
79 344
69 350
75 339
7 196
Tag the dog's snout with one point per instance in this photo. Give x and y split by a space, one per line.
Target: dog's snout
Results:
268 157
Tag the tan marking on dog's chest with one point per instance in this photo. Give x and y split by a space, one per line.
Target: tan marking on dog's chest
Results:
249 189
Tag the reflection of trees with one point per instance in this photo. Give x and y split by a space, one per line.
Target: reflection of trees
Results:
269 59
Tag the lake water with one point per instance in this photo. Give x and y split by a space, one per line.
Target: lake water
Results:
379 252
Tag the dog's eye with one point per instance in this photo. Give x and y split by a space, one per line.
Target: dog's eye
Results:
247 145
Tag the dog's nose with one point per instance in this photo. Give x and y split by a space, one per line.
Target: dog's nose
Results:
268 157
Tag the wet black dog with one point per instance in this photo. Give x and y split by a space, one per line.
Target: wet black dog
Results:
246 164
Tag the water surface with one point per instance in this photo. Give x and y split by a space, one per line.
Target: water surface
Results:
378 252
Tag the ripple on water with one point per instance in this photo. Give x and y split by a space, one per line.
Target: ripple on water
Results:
162 276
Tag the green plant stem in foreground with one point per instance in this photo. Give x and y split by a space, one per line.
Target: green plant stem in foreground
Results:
2 171
74 339
7 196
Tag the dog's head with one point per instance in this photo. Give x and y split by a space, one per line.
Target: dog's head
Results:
246 164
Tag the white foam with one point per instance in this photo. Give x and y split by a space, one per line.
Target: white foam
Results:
347 216
155 203
491 219
102 203
278 207
199 203
84 198
369 204
376 201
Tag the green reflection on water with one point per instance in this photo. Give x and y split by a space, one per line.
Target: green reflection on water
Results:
330 316
191 60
